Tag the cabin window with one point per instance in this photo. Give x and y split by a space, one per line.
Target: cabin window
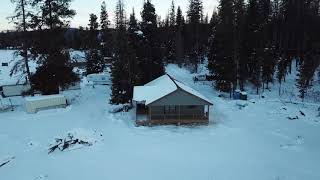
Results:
191 107
170 109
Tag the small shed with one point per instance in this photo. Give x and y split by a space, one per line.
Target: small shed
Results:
166 100
37 103
14 90
99 79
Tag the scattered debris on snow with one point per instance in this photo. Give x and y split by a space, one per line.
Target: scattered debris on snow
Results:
293 118
41 177
302 113
241 104
6 161
74 140
121 108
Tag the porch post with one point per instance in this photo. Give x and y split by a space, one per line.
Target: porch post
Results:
179 113
208 112
149 109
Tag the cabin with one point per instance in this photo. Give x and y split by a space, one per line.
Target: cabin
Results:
166 100
38 103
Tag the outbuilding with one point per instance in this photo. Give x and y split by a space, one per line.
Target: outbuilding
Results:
14 89
99 79
37 103
166 100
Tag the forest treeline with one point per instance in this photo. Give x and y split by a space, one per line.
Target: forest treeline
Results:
245 42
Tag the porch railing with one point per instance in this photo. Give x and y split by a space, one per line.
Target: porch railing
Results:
178 117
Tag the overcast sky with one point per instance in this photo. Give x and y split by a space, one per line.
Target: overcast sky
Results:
85 7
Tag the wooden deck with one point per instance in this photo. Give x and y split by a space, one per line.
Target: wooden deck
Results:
144 117
172 120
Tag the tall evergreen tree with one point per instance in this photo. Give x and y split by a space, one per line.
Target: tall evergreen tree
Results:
22 21
179 17
206 19
253 29
104 17
95 62
119 72
195 15
55 68
135 56
240 58
153 62
221 61
93 23
172 14
306 73
179 39
106 46
53 13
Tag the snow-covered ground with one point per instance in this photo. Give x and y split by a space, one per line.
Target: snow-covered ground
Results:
253 140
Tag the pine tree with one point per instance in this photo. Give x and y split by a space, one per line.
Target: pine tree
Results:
214 20
172 14
133 23
267 46
106 46
95 61
254 51
281 71
221 62
206 19
153 62
54 13
119 71
134 52
306 73
240 58
93 32
55 72
167 21
179 17
212 55
54 68
195 15
22 21
179 39
93 23
195 11
104 17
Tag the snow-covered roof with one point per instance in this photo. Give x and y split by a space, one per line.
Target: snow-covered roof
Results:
161 87
191 91
43 97
154 90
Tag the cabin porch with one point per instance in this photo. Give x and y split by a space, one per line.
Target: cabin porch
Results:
177 114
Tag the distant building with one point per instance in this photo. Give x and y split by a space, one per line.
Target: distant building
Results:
166 100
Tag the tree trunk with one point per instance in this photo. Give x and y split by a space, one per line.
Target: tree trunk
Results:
25 49
50 15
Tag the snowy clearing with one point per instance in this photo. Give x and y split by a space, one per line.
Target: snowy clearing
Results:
244 141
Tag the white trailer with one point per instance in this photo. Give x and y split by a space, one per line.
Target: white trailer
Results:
37 103
14 90
99 79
